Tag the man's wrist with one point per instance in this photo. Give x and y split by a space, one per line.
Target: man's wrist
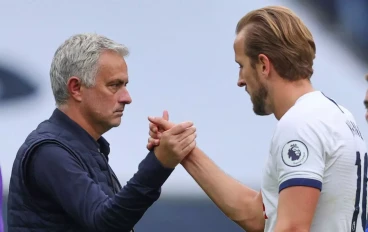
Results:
190 157
164 161
151 172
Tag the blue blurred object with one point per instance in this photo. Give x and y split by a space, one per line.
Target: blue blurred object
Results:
349 19
14 85
353 15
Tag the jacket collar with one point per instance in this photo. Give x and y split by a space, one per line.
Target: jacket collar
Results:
61 119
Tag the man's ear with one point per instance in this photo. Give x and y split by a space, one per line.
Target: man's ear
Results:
264 65
74 85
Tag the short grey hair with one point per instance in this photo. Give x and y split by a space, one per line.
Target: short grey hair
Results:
78 56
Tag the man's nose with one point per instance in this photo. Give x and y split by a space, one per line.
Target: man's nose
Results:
125 97
241 83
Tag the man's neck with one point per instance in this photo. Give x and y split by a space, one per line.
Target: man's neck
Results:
286 93
77 117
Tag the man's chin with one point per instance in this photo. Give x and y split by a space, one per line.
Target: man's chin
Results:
261 112
116 122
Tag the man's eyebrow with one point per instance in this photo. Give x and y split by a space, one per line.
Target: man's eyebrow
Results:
117 81
119 78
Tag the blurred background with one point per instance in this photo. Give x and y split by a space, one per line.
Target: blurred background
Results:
181 60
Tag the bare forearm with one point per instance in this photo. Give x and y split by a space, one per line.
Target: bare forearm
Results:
237 201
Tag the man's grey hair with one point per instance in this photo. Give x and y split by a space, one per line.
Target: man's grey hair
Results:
78 56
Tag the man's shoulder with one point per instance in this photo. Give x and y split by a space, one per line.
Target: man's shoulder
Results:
303 126
51 157
295 120
50 147
43 130
322 115
49 133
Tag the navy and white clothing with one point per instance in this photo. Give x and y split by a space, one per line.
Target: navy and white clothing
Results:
317 143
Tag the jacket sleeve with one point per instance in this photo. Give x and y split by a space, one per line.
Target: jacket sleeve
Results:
56 173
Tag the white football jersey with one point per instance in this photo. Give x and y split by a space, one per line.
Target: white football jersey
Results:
317 143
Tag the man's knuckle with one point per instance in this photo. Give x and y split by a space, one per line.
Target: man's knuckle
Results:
165 134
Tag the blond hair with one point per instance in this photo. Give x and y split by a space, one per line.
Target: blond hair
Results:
279 34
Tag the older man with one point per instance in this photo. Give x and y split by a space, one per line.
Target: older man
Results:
61 179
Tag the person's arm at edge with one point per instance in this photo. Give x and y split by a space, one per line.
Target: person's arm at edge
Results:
1 204
241 204
78 195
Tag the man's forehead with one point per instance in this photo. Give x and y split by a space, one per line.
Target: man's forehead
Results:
239 40
242 34
112 66
239 46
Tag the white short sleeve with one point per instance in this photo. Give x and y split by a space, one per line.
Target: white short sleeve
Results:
299 154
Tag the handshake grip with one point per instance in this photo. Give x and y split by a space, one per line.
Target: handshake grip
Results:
171 143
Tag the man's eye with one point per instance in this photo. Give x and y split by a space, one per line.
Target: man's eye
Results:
116 85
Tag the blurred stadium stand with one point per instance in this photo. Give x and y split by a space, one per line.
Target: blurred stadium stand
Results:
340 30
348 20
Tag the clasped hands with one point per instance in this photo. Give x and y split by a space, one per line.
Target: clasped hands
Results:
171 142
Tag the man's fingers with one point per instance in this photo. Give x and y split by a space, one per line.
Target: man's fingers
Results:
150 146
160 122
165 115
155 135
153 127
189 144
186 133
180 128
154 142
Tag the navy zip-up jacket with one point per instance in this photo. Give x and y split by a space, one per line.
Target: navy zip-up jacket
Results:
61 181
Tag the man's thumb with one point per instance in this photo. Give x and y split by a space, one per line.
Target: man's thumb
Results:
165 115
160 122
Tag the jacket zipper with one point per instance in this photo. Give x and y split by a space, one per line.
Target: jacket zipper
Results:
108 171
111 175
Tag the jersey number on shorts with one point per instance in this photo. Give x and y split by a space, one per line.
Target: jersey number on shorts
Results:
358 163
